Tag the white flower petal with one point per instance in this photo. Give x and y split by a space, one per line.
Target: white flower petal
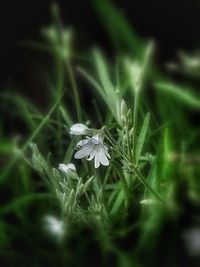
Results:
82 142
54 226
84 151
106 151
78 129
103 159
80 154
67 168
92 154
71 166
96 162
107 154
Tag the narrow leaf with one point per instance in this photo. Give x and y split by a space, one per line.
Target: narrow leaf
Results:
142 137
182 94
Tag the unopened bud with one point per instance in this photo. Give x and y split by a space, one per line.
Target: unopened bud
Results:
123 111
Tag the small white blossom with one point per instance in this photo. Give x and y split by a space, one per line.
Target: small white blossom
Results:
79 129
149 202
54 226
93 148
135 73
192 241
67 168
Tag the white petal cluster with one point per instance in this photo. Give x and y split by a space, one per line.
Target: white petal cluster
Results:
67 168
54 226
91 148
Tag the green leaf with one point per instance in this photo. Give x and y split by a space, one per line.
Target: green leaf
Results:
181 93
108 99
66 116
166 151
69 153
96 85
118 203
152 178
118 27
142 137
103 73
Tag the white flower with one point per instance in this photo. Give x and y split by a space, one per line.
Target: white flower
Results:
192 241
54 226
93 148
79 129
67 168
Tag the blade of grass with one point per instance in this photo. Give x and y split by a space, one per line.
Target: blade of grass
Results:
141 138
183 94
66 116
118 27
7 169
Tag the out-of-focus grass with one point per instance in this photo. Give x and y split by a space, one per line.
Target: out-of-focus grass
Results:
165 149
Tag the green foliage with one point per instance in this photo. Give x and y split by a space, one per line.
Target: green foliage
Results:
151 152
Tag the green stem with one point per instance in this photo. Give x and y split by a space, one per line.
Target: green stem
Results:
75 91
128 143
143 181
59 89
135 118
125 188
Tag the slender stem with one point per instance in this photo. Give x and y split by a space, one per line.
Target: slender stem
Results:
125 188
128 143
98 113
59 88
75 91
106 176
126 191
143 181
135 118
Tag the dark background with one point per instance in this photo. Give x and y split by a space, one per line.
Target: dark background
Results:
173 24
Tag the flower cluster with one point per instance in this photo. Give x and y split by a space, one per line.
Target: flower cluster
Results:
91 147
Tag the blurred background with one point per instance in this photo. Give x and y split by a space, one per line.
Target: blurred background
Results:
174 26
